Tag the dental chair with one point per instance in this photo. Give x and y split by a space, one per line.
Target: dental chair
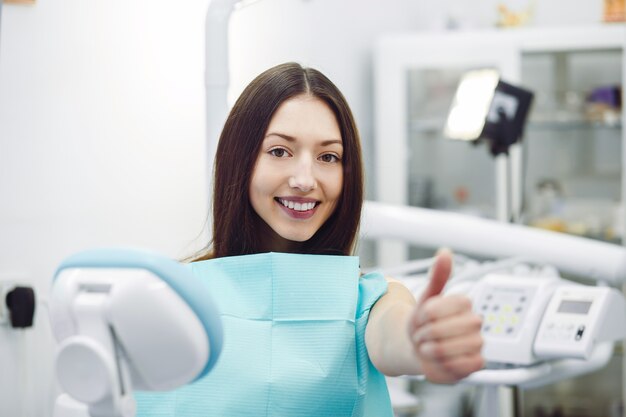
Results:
128 320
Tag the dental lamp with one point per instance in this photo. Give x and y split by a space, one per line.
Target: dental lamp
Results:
487 108
128 319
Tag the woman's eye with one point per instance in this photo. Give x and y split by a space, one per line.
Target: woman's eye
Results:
329 157
278 152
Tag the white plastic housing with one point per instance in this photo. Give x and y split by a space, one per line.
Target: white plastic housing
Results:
161 339
579 317
511 307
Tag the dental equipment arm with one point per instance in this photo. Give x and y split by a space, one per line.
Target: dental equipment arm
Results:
487 238
124 320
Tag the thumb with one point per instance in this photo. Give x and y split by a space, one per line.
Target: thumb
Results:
439 274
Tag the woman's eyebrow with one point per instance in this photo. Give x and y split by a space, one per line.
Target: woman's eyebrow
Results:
292 139
332 142
282 135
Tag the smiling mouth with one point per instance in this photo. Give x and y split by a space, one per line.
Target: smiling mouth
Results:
297 206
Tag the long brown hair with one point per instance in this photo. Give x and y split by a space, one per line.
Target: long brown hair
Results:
235 223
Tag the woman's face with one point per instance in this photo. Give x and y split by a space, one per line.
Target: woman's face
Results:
298 176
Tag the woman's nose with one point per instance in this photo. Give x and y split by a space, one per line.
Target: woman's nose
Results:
303 178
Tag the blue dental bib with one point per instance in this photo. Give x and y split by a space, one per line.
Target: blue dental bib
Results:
294 341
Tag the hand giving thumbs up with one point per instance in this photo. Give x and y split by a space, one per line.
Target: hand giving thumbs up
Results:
444 331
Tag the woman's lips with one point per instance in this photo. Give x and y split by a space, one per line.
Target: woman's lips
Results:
298 214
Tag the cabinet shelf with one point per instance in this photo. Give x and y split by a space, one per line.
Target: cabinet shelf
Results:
572 125
432 127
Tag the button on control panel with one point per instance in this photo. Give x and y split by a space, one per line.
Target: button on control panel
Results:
511 308
564 331
503 309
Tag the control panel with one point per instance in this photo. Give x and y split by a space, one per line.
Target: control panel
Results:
511 308
527 319
575 318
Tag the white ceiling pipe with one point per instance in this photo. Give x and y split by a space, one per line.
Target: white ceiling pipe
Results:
216 81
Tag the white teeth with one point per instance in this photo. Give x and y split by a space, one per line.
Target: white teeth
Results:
297 206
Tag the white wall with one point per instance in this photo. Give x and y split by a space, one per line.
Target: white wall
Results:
102 124
476 14
101 143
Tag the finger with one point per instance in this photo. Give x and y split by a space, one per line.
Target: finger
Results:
462 366
437 374
450 348
439 274
441 307
455 326
452 370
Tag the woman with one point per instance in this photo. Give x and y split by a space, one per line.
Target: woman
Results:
289 184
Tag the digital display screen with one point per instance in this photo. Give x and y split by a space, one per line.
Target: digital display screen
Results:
574 307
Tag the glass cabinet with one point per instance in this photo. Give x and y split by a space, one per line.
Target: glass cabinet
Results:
573 147
567 174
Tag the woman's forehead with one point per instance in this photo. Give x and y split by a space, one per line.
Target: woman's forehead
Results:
305 115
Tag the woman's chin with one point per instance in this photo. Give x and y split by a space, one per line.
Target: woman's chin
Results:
296 238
